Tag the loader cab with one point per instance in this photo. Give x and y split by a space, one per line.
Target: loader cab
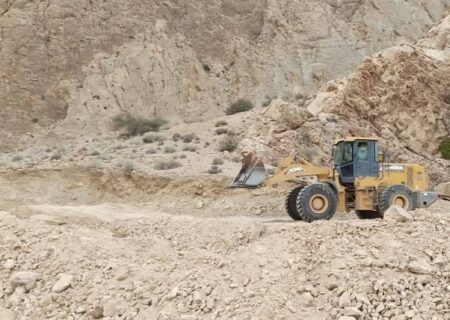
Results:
356 157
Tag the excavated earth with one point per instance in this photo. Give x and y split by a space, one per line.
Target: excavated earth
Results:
88 244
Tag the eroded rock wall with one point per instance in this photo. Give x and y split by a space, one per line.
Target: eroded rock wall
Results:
87 60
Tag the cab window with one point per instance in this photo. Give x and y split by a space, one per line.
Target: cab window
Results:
363 151
343 153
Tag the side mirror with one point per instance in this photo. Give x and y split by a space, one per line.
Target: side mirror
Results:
381 157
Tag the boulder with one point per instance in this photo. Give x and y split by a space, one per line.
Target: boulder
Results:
420 267
397 214
25 279
6 314
289 114
64 282
444 189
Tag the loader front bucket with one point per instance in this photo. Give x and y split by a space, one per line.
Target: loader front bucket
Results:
252 174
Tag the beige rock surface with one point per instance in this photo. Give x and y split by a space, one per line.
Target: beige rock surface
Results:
444 189
87 60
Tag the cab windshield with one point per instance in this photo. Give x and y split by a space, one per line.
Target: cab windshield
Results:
343 153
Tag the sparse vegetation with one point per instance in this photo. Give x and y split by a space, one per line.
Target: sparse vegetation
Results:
118 147
217 162
447 99
445 148
221 131
16 158
183 156
56 156
221 123
188 138
95 153
176 137
151 138
240 105
150 151
136 126
169 150
167 165
127 167
228 143
214 170
268 100
189 149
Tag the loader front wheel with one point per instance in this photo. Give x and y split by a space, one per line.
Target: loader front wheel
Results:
316 202
291 204
398 195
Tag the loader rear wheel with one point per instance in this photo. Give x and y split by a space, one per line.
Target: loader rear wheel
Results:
398 195
316 202
291 204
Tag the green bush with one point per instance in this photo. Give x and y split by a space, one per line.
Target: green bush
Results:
447 99
176 137
221 131
167 165
56 156
229 143
221 123
150 138
188 138
16 158
127 167
169 150
189 149
445 148
136 126
214 170
240 105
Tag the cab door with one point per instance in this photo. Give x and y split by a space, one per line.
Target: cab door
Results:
366 164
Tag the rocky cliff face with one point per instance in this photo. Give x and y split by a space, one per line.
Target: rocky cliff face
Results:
85 61
400 94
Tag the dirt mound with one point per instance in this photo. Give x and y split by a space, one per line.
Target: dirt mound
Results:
400 95
81 185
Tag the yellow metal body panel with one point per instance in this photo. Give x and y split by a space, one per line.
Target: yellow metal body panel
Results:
410 175
353 139
289 171
367 189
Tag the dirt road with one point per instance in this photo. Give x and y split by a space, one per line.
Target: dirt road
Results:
83 248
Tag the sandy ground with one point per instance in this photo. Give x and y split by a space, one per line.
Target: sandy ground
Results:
84 244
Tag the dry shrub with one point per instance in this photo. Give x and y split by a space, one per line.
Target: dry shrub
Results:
167 165
136 126
241 105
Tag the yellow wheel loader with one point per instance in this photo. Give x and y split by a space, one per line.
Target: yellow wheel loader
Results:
359 180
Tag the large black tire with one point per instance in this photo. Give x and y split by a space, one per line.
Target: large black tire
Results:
366 215
316 202
291 204
396 195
